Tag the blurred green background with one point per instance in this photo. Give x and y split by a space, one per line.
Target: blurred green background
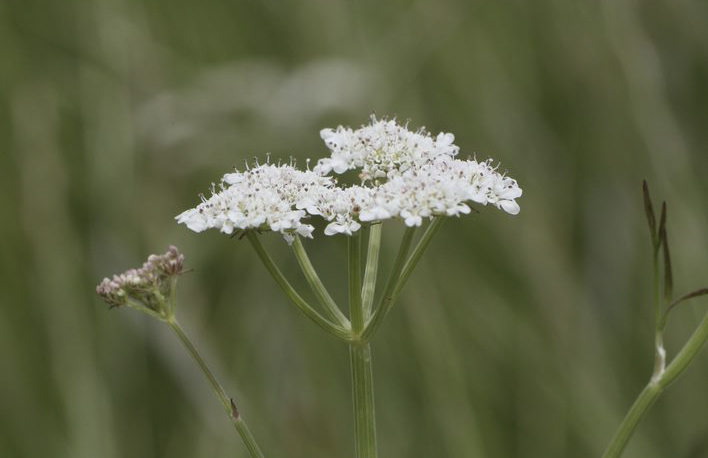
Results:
522 336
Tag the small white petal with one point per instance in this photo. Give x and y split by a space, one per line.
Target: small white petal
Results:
333 228
510 207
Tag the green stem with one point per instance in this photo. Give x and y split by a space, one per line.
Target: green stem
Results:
316 284
655 387
295 298
360 358
372 265
356 310
659 351
686 354
363 398
228 403
386 300
640 407
401 273
418 251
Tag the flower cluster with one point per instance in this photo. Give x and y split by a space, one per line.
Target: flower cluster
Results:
381 149
147 288
404 174
265 197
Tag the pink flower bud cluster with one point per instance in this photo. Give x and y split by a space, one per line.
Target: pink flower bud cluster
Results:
148 286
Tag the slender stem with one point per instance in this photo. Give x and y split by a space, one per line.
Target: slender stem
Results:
360 359
386 300
403 274
372 265
172 300
686 354
356 310
640 407
418 251
389 298
659 351
295 298
363 398
228 403
323 296
655 387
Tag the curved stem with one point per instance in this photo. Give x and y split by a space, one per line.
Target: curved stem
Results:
686 354
655 387
640 407
228 403
295 298
318 288
372 265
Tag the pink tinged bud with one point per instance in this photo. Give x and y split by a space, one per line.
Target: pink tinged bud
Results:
148 288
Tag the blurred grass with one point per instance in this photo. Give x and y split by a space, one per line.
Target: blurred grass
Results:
115 114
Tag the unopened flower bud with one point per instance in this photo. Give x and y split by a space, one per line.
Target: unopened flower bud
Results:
149 288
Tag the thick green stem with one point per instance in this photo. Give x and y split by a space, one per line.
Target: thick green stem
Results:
655 387
363 398
360 358
228 403
323 296
372 265
295 298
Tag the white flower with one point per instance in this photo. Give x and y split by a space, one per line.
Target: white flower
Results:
261 198
439 188
340 206
404 174
381 148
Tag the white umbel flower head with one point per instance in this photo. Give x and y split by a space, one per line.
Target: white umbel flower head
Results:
414 175
265 197
381 148
406 175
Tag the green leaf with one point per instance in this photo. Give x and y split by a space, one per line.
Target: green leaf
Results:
649 211
696 293
664 241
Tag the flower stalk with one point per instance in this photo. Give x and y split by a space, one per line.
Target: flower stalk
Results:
363 399
372 266
360 359
236 418
295 298
318 288
386 301
417 253
152 289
